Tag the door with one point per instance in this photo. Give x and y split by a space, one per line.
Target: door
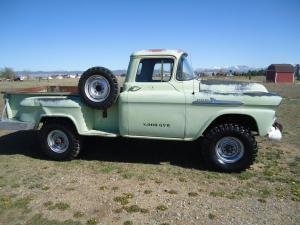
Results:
156 106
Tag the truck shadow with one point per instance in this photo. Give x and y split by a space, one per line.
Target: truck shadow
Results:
184 154
21 142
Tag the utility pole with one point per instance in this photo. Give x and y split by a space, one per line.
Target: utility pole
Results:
297 72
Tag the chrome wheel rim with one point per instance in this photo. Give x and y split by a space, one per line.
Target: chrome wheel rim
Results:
229 150
58 141
97 88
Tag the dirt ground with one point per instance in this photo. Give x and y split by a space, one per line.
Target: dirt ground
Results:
125 181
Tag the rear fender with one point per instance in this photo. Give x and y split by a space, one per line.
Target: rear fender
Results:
45 118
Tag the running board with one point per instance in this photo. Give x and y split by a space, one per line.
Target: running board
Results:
99 133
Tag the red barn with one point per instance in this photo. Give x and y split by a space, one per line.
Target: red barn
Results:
280 73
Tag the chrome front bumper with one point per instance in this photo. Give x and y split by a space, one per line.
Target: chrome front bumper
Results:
275 132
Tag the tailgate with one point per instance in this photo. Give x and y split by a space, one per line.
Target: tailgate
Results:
6 123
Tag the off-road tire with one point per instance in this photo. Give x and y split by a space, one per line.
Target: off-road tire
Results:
73 139
113 84
230 130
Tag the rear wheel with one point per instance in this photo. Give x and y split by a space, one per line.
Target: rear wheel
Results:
59 141
230 147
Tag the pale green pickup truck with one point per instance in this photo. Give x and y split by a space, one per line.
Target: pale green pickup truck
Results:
160 99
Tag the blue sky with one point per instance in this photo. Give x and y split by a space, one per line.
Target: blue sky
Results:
75 35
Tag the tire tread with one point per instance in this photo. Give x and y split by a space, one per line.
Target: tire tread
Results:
114 93
71 133
228 128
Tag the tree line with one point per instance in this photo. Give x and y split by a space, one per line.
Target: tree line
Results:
248 73
7 73
260 72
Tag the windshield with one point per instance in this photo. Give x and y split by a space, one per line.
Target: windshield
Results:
185 70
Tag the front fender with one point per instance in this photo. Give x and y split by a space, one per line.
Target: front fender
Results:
263 117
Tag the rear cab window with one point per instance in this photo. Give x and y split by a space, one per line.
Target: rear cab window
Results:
155 70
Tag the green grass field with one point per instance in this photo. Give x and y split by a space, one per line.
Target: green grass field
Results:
120 181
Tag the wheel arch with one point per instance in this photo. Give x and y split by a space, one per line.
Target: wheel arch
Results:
59 119
242 119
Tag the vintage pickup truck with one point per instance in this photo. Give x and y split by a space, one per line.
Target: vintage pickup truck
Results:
160 99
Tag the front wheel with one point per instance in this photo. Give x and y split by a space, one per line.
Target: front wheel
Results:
59 141
230 147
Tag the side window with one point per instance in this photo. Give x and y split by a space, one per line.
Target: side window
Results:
184 71
155 70
179 71
138 73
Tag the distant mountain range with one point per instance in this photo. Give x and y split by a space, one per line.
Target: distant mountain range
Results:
239 68
59 72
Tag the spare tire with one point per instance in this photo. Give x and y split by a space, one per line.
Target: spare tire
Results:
98 87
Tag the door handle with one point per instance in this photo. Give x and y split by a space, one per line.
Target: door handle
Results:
134 88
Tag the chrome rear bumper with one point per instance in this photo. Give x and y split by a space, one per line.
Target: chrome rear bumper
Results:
15 125
10 124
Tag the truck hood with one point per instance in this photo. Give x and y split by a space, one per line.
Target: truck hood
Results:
244 93
229 86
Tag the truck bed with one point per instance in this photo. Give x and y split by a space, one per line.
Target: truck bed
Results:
47 90
26 107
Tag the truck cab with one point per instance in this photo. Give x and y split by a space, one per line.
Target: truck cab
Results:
153 98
